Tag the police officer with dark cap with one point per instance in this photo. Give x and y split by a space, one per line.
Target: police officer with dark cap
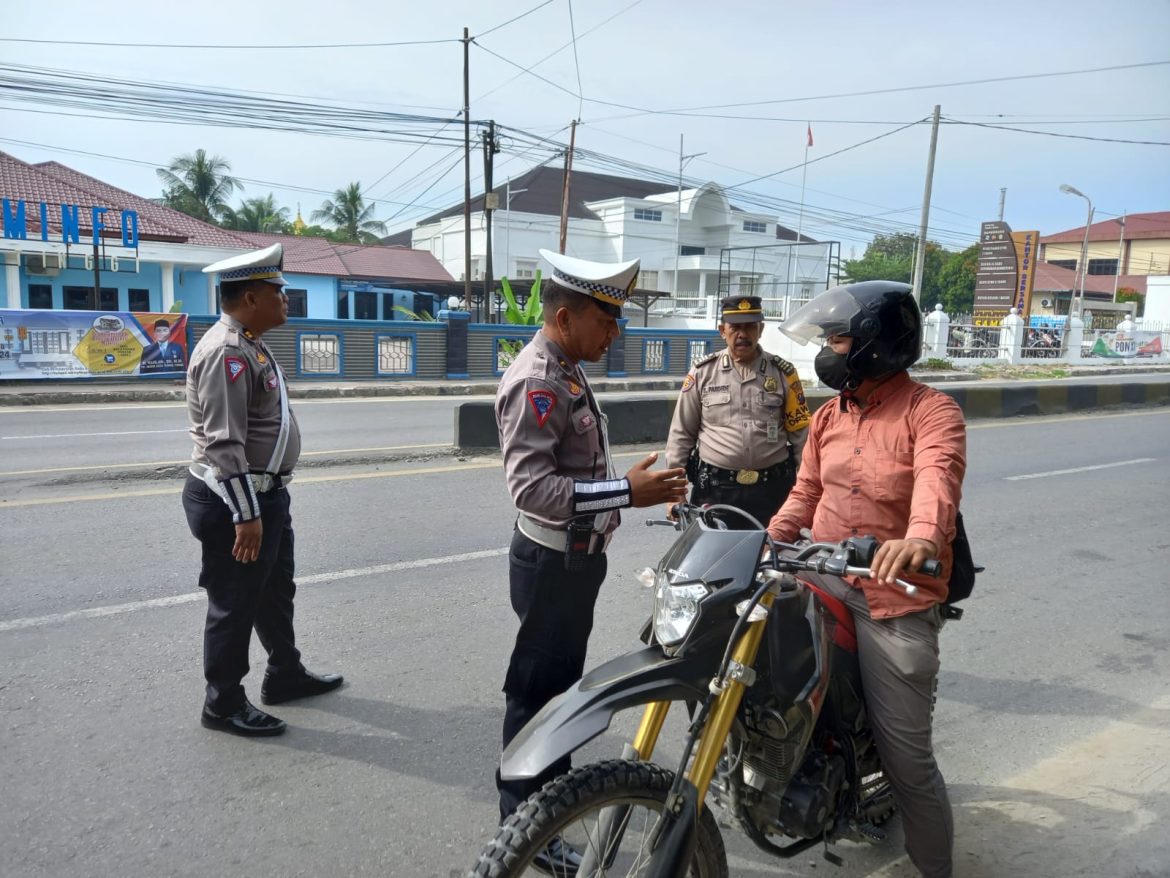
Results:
741 419
236 499
560 474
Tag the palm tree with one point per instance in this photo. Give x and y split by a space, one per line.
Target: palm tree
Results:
199 185
257 215
348 212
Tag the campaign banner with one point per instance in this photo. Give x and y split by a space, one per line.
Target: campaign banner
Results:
91 344
1131 343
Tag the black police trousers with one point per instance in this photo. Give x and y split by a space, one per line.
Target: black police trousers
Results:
761 500
241 597
555 608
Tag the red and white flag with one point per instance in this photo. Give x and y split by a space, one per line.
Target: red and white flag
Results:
810 142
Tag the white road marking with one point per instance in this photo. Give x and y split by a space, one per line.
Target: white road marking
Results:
78 435
191 597
1079 469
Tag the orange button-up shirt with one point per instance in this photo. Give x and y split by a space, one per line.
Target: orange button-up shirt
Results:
892 469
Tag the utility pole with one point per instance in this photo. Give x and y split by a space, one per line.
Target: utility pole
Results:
682 163
490 203
565 191
466 172
1002 199
920 261
97 276
1120 255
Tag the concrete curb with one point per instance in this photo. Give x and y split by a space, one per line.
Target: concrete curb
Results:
634 421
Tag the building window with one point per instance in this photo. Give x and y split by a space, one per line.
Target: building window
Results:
655 354
1070 264
298 302
746 285
343 306
754 226
1103 266
365 306
320 353
396 355
81 299
650 216
647 280
40 296
525 269
691 250
139 300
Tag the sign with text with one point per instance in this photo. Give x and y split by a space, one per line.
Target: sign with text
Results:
1006 273
91 344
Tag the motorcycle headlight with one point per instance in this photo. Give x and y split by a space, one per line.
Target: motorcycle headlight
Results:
675 609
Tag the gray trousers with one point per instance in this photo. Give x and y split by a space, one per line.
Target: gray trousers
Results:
899 673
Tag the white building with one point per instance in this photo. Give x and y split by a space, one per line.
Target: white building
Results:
694 247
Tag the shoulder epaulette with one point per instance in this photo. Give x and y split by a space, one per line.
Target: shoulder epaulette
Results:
710 358
782 364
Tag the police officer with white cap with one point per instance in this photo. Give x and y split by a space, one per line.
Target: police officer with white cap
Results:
246 445
741 419
560 474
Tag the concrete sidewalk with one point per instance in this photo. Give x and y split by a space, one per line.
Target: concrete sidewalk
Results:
102 392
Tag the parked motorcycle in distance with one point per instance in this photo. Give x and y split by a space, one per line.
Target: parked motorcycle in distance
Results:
766 665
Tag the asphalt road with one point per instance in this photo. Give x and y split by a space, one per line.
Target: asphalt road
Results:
1053 714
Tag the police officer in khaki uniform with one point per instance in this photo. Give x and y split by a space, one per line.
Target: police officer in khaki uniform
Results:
236 499
561 476
741 419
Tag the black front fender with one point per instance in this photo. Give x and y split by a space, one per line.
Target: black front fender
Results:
585 710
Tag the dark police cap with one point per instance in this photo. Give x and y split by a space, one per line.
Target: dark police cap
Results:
742 309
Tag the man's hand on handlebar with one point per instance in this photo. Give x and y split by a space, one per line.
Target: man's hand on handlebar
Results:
896 557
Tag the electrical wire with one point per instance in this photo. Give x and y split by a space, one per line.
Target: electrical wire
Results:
952 121
576 61
517 18
231 46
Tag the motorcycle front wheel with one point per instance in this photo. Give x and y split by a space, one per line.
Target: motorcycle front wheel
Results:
578 806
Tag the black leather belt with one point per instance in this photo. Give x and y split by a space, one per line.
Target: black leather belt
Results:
741 476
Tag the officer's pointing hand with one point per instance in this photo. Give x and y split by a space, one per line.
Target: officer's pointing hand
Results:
248 537
661 486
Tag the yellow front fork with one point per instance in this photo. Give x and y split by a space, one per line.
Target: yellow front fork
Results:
722 714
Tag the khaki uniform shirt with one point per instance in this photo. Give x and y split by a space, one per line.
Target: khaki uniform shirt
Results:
234 390
739 421
552 434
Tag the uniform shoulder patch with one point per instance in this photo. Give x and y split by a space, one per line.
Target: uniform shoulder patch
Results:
542 402
235 367
783 365
688 383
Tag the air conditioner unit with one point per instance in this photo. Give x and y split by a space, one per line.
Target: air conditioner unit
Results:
41 265
1046 303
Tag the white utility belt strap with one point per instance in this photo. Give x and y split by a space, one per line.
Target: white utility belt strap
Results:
261 482
554 539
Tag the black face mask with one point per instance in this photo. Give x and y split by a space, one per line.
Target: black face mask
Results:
831 369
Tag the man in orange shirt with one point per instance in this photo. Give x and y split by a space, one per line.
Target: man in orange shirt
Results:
886 458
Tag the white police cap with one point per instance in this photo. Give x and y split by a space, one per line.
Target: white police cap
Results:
262 265
608 282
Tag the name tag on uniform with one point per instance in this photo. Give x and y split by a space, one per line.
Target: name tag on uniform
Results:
773 432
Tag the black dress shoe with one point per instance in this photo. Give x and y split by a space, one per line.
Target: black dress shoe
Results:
247 721
558 859
279 688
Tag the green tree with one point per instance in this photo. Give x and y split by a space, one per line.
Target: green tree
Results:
891 257
956 281
353 219
257 215
199 185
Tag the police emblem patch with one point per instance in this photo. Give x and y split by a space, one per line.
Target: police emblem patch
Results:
542 402
235 368
272 382
688 383
770 384
260 356
744 305
574 388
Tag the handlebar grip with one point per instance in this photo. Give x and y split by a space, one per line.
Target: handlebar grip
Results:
931 567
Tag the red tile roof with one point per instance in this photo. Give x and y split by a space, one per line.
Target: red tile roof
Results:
1138 226
1054 278
56 184
321 256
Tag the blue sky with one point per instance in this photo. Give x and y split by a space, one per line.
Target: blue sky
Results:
810 61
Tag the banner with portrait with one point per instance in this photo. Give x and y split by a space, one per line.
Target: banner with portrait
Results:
91 344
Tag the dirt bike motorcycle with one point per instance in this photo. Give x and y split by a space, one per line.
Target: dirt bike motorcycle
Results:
766 666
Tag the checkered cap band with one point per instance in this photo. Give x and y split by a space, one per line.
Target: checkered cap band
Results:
256 272
616 295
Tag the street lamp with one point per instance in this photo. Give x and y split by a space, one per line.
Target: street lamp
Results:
508 193
1084 260
682 163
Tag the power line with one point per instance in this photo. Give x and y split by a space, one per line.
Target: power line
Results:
517 18
222 45
576 60
1058 133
